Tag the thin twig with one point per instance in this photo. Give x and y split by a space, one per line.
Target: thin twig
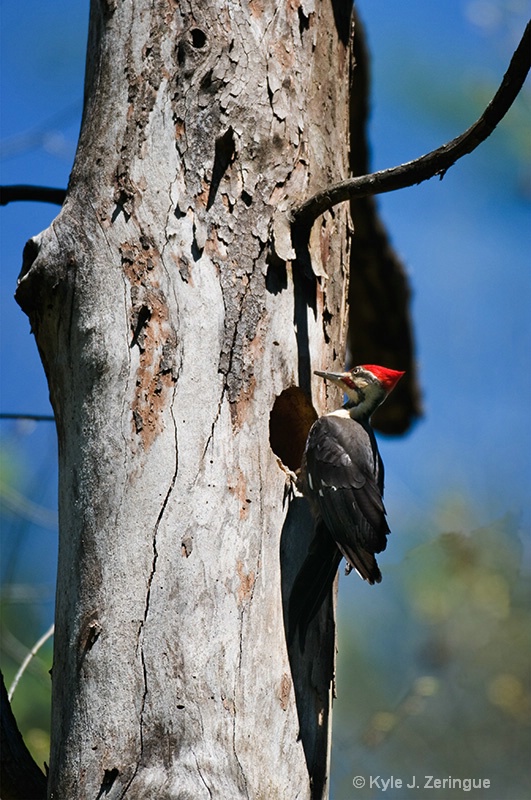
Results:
32 653
437 162
38 194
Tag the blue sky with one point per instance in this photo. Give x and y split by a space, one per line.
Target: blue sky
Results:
465 241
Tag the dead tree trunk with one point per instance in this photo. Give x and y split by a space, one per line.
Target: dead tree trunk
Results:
178 329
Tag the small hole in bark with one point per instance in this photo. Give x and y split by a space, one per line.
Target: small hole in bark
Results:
198 38
109 776
290 420
143 317
304 22
197 251
276 275
225 150
31 251
247 199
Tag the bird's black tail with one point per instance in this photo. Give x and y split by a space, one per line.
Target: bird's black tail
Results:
313 583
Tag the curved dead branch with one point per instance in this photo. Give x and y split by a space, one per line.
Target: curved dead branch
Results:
438 161
38 194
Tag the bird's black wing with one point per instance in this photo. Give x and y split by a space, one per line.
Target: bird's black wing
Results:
344 477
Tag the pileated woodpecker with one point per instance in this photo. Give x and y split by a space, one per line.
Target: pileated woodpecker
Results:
342 476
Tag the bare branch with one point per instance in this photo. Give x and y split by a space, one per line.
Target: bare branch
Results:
437 162
33 417
32 653
38 194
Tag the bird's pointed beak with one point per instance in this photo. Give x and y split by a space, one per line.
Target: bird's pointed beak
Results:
336 377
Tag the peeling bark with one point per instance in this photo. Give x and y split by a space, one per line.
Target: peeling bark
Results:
169 326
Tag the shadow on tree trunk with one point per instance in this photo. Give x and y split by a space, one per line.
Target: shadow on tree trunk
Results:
312 670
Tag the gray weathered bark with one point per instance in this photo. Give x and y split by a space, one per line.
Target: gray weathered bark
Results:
178 329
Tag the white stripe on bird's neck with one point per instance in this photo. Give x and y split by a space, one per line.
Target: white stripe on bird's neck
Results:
355 412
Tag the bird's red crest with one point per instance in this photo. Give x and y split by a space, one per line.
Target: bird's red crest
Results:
387 377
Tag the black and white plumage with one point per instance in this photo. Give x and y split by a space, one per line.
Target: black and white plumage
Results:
342 476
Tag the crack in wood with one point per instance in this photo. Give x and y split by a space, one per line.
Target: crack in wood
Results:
147 605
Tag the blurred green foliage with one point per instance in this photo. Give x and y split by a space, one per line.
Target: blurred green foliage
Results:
21 623
440 684
19 630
